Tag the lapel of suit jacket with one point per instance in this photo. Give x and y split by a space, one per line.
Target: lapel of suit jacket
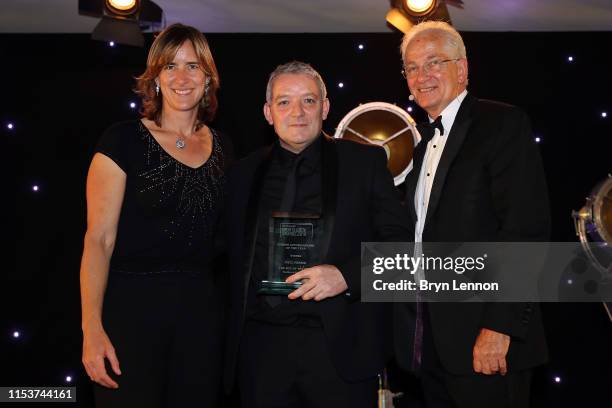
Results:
329 191
413 177
251 220
455 140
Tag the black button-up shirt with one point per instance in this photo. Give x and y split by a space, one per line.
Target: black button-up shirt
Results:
308 199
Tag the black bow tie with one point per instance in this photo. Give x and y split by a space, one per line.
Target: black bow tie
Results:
429 129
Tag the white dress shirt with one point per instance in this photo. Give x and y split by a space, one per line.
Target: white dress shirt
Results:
435 147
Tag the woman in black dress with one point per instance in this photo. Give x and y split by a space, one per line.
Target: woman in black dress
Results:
150 303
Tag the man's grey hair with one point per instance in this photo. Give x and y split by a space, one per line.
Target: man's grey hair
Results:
453 39
295 67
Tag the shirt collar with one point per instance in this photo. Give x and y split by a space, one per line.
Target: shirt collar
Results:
450 112
311 154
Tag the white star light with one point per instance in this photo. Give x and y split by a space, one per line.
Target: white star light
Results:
409 109
10 126
538 140
68 379
341 85
132 105
35 188
112 43
604 114
557 379
570 59
360 46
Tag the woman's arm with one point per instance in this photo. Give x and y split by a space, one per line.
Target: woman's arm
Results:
105 191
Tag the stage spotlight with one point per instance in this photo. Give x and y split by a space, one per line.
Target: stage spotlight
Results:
121 31
397 19
406 13
122 21
419 8
122 6
593 224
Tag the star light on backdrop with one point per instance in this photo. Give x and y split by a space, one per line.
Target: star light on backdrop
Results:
9 126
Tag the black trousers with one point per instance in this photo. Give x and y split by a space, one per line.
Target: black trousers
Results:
290 366
167 334
445 390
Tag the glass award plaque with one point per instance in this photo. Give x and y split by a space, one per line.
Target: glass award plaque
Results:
294 244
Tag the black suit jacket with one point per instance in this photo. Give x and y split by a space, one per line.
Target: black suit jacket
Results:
360 203
489 187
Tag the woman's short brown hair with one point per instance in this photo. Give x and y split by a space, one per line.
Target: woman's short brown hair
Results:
162 52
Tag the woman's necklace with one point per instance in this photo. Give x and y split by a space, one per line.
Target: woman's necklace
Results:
180 141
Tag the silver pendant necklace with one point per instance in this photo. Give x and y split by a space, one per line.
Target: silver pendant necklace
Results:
180 141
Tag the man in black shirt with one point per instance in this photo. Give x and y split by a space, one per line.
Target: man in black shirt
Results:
319 346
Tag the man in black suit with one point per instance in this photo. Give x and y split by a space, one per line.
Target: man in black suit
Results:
319 346
477 177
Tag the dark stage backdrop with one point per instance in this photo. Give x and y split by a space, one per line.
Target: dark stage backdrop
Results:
61 91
